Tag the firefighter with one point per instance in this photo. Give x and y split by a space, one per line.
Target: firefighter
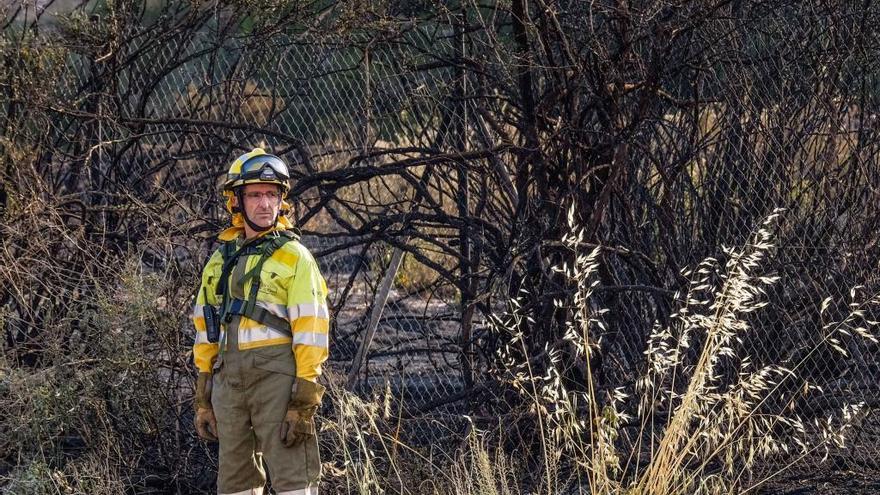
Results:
261 322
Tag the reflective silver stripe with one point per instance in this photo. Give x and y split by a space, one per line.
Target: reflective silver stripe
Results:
202 337
256 334
279 310
312 490
310 338
252 491
308 309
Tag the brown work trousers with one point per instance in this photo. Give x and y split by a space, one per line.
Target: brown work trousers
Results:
250 398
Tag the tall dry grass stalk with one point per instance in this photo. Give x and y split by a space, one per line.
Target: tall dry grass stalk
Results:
481 470
368 456
697 427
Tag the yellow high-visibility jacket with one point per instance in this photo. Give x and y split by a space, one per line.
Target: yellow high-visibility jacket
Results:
291 287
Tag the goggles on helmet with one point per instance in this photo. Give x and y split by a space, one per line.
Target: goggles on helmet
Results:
264 167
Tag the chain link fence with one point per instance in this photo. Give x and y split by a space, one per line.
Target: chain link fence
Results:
436 160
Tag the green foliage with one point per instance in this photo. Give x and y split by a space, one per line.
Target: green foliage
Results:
103 408
32 68
34 478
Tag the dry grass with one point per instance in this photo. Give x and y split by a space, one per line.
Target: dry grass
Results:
99 409
686 427
693 427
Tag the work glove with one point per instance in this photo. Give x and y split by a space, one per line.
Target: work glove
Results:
299 424
206 423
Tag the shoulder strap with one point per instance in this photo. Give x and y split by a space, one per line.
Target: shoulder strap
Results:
265 247
230 256
268 249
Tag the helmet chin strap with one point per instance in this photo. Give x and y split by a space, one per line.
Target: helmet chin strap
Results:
251 224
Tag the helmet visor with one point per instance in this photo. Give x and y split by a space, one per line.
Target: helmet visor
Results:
265 167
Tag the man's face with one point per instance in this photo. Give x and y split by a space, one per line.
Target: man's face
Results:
262 203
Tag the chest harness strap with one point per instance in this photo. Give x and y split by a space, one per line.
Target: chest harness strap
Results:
232 306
